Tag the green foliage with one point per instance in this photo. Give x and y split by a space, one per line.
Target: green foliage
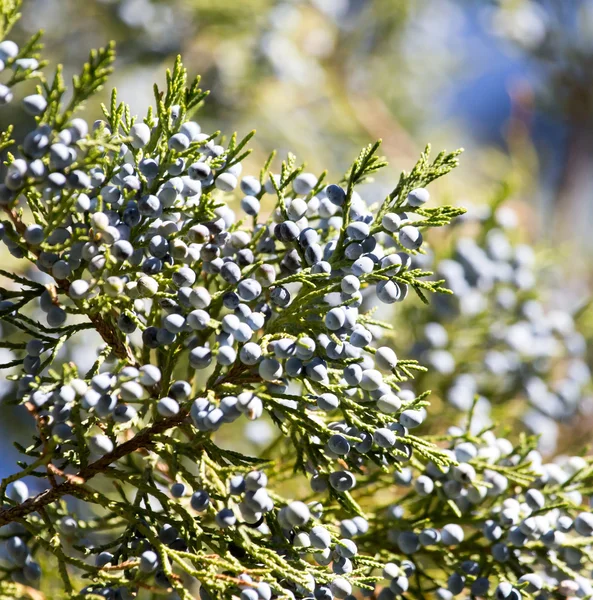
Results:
9 15
172 378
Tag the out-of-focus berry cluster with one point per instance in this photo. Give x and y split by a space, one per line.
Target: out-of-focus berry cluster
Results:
498 336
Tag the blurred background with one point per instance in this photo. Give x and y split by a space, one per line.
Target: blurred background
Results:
511 81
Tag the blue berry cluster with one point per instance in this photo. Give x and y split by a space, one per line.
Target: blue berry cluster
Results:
204 316
498 336
198 317
19 65
500 512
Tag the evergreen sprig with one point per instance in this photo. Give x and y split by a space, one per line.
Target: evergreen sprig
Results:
203 321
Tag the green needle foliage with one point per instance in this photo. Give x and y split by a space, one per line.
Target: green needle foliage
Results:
198 319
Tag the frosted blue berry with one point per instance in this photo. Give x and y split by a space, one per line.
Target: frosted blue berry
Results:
535 499
140 134
384 438
226 356
583 524
429 537
456 583
287 231
26 63
174 323
149 561
200 501
410 237
408 542
149 375
320 537
68 526
316 370
34 234
452 535
335 318
418 197
391 222
34 104
340 588
56 316
327 402
250 186
335 194
358 230
249 290
504 591
180 390
191 188
103 559
385 359
360 337
465 452
342 481
191 129
250 353
200 298
424 485
363 266
150 206
61 155
464 473
199 171
38 171
304 183
167 407
342 566
198 319
353 374
297 514
250 205
200 357
230 272
35 347
179 142
280 296
8 50
6 95
389 403
411 418
296 209
131 391
18 492
270 369
100 444
389 292
399 585
338 444
226 182
371 380
225 518
346 548
178 490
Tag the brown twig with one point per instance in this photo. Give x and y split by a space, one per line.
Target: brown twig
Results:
141 440
121 566
41 423
71 478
